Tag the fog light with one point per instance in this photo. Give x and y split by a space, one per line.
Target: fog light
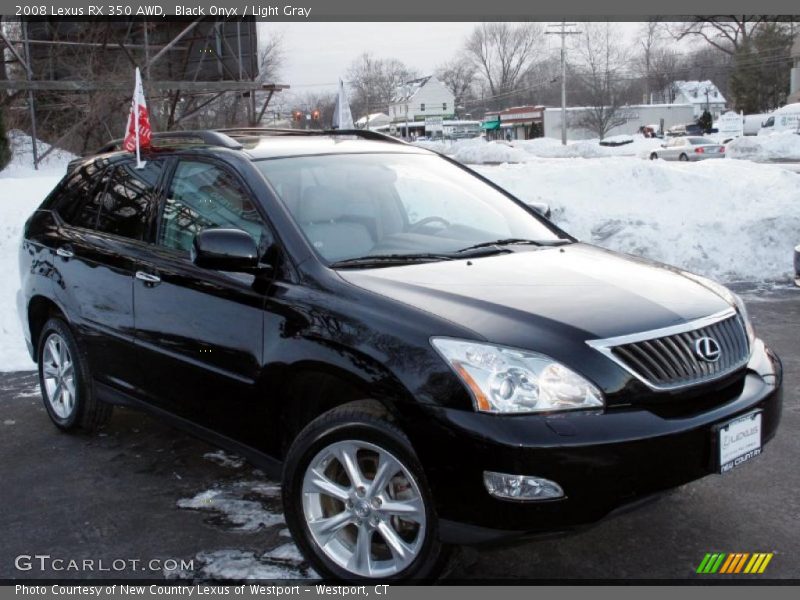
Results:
521 487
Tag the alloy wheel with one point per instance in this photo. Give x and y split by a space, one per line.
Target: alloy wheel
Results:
58 373
363 508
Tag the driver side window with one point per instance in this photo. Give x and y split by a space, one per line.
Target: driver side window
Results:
204 196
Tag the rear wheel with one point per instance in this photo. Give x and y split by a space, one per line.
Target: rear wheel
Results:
653 156
683 157
65 380
356 499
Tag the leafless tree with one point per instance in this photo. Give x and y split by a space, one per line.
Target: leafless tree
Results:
459 77
374 82
503 52
726 33
601 86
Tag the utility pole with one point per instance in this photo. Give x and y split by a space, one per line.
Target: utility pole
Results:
563 32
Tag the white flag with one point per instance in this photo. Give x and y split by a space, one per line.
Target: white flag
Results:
137 132
342 117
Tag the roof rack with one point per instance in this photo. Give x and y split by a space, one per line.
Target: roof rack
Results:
366 134
208 137
225 138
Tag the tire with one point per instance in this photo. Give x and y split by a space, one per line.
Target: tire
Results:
683 158
320 452
653 156
73 405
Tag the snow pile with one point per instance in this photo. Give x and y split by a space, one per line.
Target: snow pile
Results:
729 220
628 145
19 197
22 189
478 151
21 164
781 145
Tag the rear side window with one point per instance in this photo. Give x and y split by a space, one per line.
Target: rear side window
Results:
126 199
75 204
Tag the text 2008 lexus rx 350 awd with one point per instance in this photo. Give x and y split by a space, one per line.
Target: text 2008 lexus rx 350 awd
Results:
425 359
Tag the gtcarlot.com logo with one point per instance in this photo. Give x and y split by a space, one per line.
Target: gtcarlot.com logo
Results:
734 563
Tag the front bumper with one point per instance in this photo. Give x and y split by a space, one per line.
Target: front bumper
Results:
602 460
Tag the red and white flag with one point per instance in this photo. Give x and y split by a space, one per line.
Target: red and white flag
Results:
137 133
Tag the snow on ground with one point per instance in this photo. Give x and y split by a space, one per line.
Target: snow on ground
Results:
246 506
780 145
223 459
479 151
729 220
22 189
241 565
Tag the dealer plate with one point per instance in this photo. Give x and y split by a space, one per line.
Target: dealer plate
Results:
739 440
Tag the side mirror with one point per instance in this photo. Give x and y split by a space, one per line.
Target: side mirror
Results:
540 207
225 250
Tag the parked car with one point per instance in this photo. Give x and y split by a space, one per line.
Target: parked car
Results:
689 149
422 358
683 130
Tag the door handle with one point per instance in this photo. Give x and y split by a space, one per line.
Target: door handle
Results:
65 252
148 277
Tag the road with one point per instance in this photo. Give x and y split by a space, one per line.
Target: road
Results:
140 490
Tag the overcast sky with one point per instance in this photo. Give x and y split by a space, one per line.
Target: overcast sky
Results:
318 53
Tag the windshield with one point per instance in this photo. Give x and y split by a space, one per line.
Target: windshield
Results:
352 206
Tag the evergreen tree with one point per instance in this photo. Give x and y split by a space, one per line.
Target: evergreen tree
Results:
706 121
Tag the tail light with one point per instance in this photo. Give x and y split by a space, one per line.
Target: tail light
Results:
699 150
722 149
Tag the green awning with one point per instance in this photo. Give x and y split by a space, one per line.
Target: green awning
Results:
490 125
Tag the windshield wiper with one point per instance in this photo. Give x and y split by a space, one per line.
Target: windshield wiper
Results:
514 241
388 259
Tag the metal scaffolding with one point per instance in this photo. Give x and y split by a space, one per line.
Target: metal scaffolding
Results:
186 66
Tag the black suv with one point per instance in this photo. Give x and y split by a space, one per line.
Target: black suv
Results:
425 359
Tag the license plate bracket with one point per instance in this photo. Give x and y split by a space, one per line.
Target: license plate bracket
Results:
737 441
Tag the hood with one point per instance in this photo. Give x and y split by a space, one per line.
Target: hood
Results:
578 289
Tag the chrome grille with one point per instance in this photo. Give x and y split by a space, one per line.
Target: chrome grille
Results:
667 359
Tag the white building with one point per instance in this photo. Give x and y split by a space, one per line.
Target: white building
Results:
421 98
703 95
635 116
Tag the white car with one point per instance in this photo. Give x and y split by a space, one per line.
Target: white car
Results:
689 148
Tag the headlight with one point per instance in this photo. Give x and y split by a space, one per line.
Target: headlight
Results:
730 298
507 380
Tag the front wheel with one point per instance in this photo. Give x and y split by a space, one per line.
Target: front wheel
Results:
653 156
356 499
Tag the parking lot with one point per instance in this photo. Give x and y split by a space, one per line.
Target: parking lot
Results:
140 490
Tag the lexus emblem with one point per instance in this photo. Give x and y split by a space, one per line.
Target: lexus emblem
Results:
707 349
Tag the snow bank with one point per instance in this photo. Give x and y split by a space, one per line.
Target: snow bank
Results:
781 145
22 189
19 197
729 220
21 164
478 151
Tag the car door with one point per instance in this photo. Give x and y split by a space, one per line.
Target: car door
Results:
200 331
102 225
